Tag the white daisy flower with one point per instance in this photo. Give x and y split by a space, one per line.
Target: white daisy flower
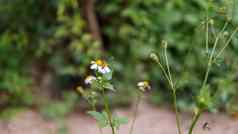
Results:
89 79
143 86
100 66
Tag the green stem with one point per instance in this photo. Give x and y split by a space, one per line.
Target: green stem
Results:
211 57
165 73
176 112
209 65
207 73
195 120
171 84
167 64
105 101
174 92
207 33
227 43
100 129
136 112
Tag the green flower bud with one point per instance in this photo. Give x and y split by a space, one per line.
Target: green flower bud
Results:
154 57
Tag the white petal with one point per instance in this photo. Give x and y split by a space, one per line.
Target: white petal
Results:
89 79
107 69
102 70
140 84
94 67
93 62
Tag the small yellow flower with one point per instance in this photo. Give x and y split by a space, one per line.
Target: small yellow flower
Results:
100 66
144 86
89 79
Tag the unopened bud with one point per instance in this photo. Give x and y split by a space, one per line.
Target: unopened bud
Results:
225 34
211 21
154 57
228 18
195 110
80 90
165 44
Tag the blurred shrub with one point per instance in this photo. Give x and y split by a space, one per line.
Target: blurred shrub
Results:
55 34
42 34
58 110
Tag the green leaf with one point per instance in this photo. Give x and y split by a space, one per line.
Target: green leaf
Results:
109 86
118 121
101 118
96 115
122 120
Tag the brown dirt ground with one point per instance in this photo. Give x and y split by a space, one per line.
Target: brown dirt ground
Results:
151 120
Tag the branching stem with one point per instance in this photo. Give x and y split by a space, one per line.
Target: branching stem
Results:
195 119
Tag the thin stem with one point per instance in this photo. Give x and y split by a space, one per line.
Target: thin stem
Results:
209 65
169 78
165 73
167 65
176 111
138 100
214 32
197 116
100 129
227 43
207 33
174 98
93 104
207 73
105 101
210 61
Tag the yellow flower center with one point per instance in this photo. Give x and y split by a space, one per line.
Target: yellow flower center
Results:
146 83
101 63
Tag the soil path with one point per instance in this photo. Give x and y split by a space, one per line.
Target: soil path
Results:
151 120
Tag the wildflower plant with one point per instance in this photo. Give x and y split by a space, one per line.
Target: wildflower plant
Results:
167 73
205 99
100 83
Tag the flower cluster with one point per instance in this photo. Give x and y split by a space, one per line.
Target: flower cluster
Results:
102 70
96 83
101 66
144 86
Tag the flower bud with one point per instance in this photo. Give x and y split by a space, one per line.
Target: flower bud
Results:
80 90
154 57
165 44
225 34
144 86
211 21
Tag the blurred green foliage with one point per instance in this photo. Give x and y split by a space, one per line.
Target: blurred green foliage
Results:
55 34
136 28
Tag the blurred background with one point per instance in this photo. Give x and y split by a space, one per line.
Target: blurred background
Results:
46 47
